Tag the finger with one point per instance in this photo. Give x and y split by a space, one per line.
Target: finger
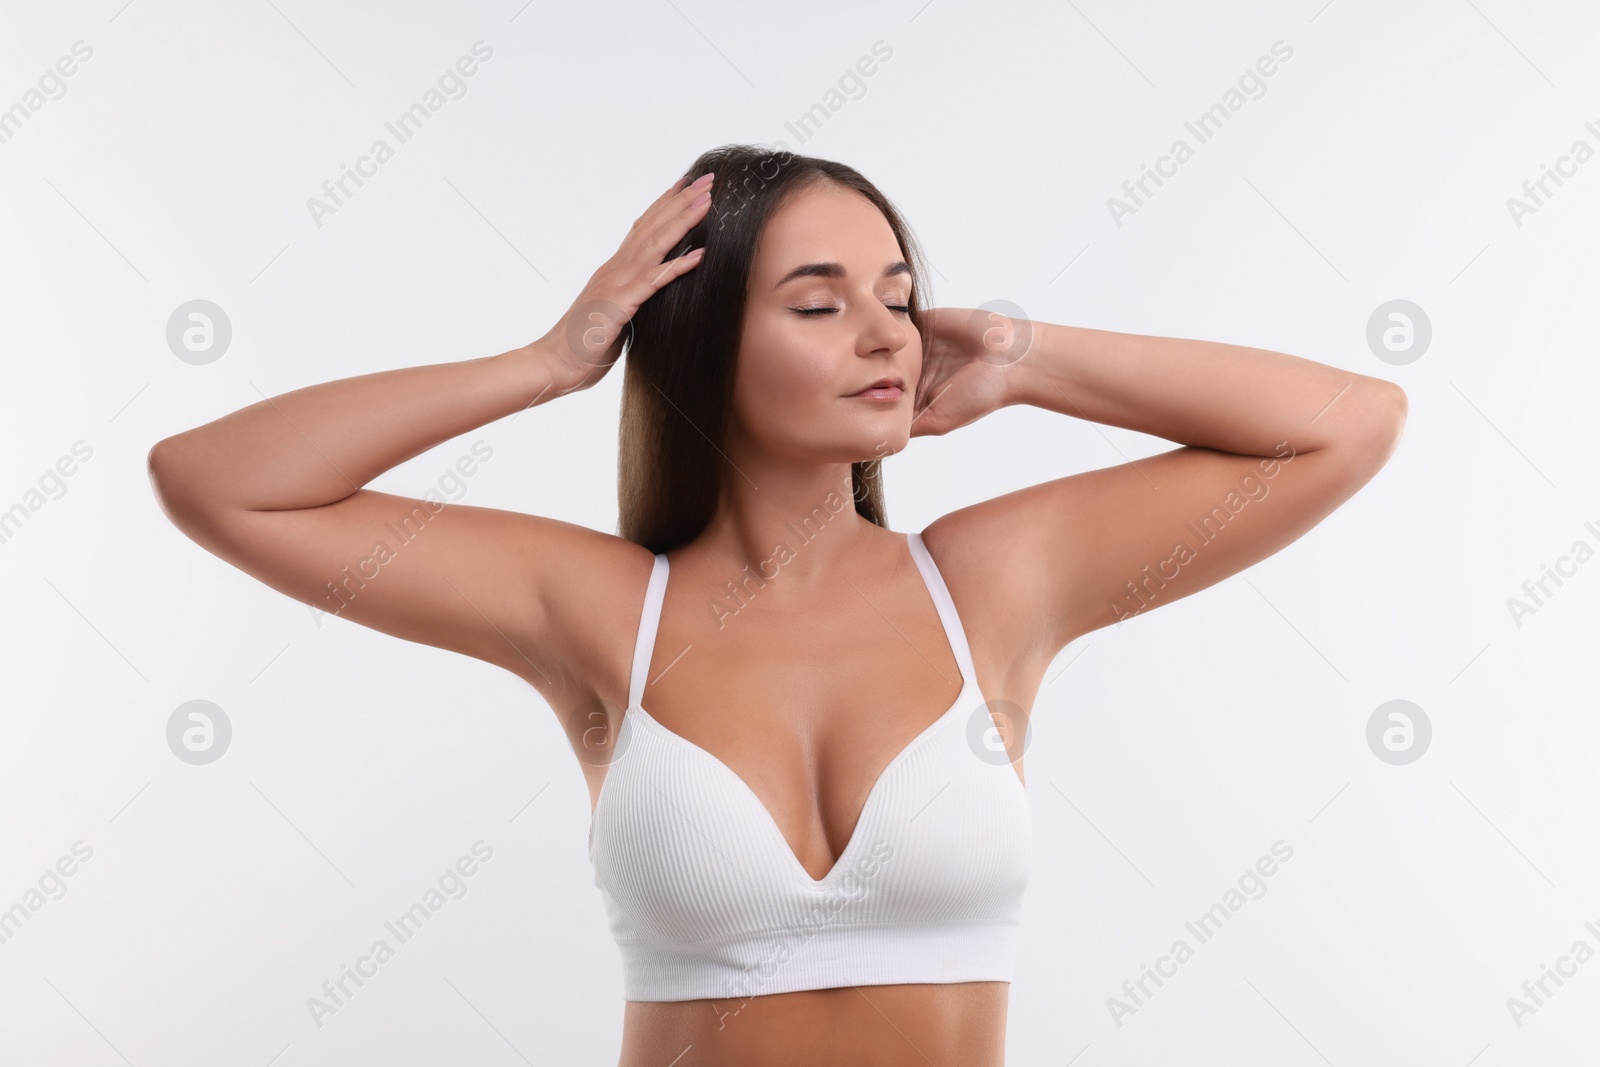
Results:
658 243
674 268
671 191
641 221
670 203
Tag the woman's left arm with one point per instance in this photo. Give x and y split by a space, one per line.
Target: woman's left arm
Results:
1272 443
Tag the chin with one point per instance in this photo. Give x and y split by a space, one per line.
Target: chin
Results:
887 445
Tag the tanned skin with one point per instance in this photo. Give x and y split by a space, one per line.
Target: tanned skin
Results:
840 660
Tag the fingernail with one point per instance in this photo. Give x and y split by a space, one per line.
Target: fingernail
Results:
701 199
703 181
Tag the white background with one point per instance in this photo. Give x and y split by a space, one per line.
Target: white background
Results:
1169 753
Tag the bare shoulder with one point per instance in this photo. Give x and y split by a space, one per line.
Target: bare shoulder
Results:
592 595
999 598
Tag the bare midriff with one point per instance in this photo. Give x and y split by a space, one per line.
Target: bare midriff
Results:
961 1023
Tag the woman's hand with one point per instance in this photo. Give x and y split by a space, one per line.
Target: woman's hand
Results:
588 338
969 358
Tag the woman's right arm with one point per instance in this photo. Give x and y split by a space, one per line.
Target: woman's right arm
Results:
276 490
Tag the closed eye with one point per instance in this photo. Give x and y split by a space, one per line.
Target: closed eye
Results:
902 308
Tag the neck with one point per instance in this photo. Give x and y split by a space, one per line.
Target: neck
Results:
800 519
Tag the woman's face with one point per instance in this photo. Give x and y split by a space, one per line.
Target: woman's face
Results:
825 319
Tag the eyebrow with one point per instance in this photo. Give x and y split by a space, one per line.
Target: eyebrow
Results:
836 270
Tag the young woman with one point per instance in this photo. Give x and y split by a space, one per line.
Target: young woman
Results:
812 847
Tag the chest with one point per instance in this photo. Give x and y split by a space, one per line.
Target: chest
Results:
808 709
763 781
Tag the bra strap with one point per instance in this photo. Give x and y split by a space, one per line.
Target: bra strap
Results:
954 632
649 621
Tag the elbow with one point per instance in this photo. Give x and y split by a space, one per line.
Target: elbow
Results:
1383 422
156 458
168 481
1393 406
158 464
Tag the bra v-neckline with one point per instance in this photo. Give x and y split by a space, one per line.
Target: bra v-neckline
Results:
779 839
969 683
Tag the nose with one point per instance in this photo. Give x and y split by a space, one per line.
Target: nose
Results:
882 329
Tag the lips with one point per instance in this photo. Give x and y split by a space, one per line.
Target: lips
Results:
885 387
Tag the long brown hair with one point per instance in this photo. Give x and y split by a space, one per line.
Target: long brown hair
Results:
683 344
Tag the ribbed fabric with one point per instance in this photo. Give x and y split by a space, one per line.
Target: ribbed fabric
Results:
705 898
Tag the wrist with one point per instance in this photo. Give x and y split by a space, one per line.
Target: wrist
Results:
1029 374
543 372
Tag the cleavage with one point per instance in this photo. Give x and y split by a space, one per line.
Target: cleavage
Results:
808 730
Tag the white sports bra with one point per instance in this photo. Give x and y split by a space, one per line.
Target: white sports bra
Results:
706 899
